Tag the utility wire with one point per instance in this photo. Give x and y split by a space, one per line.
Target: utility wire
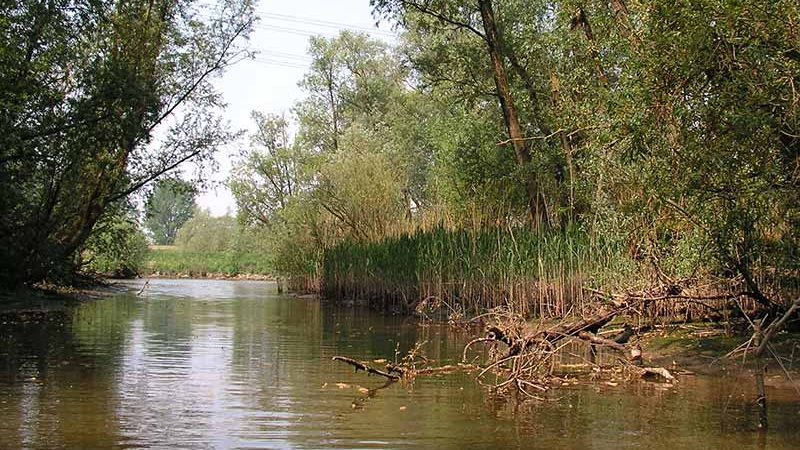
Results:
325 23
286 55
279 63
297 31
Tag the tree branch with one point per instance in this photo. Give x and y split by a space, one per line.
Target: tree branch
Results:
425 10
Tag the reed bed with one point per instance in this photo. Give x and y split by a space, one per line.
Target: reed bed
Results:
469 271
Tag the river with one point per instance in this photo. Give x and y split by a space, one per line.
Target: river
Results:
224 364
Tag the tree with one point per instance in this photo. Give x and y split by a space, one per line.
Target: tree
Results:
85 86
205 233
360 189
448 15
117 247
168 207
271 172
353 78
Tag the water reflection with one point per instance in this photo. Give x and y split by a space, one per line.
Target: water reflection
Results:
214 364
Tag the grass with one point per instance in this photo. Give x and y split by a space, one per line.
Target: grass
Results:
172 261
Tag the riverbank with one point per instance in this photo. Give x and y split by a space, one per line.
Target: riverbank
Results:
201 275
173 262
41 302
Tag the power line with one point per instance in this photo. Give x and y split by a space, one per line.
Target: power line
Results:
287 55
325 23
279 63
297 31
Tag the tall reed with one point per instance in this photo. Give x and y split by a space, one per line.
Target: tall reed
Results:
470 270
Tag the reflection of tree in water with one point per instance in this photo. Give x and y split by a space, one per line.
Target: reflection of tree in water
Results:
177 378
255 370
56 375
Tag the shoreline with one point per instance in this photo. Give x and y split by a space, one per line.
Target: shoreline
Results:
206 276
697 347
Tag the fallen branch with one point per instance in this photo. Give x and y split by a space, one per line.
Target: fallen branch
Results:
649 372
450 368
361 366
776 326
474 341
632 354
550 336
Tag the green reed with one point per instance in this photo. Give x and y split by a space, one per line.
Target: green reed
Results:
533 273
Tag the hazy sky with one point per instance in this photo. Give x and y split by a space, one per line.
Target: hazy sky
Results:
269 83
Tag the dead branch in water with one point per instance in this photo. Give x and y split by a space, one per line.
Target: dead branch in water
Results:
758 344
405 370
361 366
531 358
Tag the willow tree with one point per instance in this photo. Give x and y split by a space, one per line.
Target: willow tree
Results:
84 88
488 31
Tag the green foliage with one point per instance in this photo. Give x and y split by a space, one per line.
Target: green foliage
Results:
84 85
168 207
117 247
205 233
666 133
359 187
208 245
174 261
270 173
532 273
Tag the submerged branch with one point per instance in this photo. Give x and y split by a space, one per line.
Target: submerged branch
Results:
361 366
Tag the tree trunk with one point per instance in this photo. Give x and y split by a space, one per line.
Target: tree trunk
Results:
580 20
546 130
566 146
622 17
510 115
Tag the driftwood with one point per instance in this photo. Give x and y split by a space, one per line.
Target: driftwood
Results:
650 373
408 372
632 354
530 359
550 336
403 370
361 366
760 343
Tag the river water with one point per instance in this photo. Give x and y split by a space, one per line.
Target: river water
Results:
220 364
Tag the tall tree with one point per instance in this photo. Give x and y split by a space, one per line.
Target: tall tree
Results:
479 19
271 172
353 78
84 85
168 207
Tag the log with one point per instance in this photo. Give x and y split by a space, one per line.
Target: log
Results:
554 334
649 372
631 354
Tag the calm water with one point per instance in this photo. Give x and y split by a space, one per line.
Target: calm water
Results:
216 364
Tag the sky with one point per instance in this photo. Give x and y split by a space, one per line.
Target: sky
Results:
269 83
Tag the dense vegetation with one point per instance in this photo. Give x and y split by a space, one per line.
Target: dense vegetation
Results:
211 246
509 147
172 261
503 152
98 99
